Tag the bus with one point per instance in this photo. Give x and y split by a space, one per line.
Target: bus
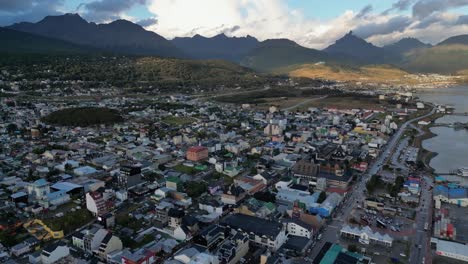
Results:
381 224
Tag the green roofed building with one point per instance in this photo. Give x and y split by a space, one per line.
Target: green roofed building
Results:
173 183
334 253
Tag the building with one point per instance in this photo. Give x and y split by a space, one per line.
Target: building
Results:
306 170
291 196
366 236
273 130
457 196
334 253
450 249
296 227
54 252
197 153
39 189
109 244
129 176
98 202
263 232
233 249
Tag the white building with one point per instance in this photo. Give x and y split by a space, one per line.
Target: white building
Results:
297 227
366 236
451 249
54 252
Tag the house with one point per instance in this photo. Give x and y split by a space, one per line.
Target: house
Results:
254 207
211 236
270 234
24 247
233 195
98 241
109 244
173 183
233 248
54 252
250 185
267 177
211 206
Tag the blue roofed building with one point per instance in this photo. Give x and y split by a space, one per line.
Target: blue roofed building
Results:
457 195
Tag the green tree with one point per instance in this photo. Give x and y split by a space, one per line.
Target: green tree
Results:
322 197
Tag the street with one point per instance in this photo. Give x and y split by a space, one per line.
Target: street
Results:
330 232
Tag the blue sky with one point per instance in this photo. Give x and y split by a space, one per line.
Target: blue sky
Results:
312 23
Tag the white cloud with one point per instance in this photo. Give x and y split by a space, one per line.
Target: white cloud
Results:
260 18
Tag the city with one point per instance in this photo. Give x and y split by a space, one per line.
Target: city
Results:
120 146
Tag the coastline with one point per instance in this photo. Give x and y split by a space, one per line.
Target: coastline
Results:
425 155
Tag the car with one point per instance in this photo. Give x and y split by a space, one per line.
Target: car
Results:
403 254
319 237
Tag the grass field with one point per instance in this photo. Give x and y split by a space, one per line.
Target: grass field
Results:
380 74
178 121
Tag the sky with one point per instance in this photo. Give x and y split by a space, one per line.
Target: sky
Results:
311 23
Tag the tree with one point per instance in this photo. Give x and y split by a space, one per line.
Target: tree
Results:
352 248
322 197
253 171
68 167
267 197
11 128
195 189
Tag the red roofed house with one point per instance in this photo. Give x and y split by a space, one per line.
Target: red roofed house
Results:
197 153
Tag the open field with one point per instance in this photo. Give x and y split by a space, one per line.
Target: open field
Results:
179 121
376 74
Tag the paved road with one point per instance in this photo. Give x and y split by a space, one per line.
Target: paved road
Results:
331 233
420 247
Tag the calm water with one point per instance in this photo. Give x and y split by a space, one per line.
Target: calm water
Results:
451 144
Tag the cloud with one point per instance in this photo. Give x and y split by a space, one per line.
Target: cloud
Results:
12 11
401 5
462 20
148 22
365 11
424 8
15 5
105 10
394 24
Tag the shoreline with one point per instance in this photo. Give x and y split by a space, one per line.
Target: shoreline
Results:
426 155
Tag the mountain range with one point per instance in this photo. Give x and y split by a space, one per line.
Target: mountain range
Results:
120 36
71 33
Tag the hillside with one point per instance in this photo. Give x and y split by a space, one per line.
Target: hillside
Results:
217 47
13 41
135 72
278 53
192 71
404 46
370 73
461 39
445 59
119 36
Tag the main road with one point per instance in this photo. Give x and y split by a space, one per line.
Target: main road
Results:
330 233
